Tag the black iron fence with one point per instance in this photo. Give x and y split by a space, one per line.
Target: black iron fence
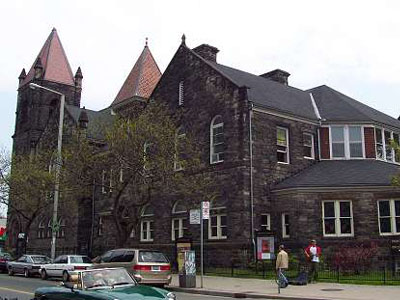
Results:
382 275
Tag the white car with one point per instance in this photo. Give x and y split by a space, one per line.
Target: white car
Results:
64 266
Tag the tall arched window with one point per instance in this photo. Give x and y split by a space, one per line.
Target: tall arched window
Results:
179 216
146 224
61 228
217 140
49 228
179 148
41 229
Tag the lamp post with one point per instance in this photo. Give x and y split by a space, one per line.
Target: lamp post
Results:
58 164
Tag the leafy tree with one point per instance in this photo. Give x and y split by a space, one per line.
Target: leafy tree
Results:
149 155
396 147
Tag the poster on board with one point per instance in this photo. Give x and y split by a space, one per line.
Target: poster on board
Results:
265 247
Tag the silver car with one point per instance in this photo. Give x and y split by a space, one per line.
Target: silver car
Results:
64 266
28 265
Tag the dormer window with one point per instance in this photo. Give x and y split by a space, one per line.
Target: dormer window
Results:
383 144
347 142
180 93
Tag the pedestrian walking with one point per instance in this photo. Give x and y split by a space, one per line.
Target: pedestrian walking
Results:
282 264
313 254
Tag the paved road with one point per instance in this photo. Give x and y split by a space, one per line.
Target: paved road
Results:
22 288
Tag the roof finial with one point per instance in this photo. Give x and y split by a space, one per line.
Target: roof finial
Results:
147 41
183 39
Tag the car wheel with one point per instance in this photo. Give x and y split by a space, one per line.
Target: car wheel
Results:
26 273
43 275
10 271
65 276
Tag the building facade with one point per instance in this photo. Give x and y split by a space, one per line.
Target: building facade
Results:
295 164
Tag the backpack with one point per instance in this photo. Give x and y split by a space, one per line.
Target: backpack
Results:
301 279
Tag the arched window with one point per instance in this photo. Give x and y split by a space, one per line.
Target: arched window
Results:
180 149
179 216
217 140
146 224
41 229
49 223
61 228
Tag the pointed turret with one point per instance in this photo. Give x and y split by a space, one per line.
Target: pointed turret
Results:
22 76
83 119
142 79
54 65
78 78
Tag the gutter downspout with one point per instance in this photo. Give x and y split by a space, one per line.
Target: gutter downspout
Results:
251 179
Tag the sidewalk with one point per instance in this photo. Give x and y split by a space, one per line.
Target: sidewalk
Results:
267 289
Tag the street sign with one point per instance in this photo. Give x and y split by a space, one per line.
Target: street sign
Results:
195 216
206 209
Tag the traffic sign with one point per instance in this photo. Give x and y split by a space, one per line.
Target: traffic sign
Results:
194 216
205 205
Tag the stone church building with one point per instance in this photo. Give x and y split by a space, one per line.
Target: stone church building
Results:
291 163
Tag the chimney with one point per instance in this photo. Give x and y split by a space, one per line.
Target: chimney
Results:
207 52
83 119
278 76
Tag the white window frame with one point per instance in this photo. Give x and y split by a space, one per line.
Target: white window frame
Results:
179 137
346 137
181 93
212 153
392 133
61 231
103 182
181 228
312 145
214 212
41 230
337 217
287 146
268 225
285 225
146 226
394 229
100 227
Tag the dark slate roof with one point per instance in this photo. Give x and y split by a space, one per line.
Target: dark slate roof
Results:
346 173
334 106
270 94
98 120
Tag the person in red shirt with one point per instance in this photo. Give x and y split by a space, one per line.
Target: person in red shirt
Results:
313 253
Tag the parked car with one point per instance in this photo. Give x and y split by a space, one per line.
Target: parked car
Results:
4 258
65 266
147 266
104 284
28 265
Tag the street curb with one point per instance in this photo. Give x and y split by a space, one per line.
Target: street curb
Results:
239 294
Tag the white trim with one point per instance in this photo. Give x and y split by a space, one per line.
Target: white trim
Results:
314 104
181 228
212 127
284 224
312 146
346 141
287 145
149 232
268 225
283 115
337 217
392 216
219 226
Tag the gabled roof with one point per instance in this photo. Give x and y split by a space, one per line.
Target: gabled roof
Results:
270 94
348 173
142 79
337 107
55 64
97 120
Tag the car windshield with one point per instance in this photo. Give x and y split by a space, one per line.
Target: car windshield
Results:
40 259
80 260
106 278
152 256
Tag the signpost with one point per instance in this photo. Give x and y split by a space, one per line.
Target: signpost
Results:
204 215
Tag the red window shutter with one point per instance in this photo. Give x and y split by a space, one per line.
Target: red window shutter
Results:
325 149
369 141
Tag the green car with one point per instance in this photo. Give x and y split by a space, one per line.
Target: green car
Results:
104 284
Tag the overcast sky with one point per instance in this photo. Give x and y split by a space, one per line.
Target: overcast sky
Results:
352 46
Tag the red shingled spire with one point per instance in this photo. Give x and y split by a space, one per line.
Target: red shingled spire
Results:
142 79
55 64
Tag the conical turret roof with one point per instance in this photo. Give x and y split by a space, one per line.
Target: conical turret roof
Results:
55 64
142 79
